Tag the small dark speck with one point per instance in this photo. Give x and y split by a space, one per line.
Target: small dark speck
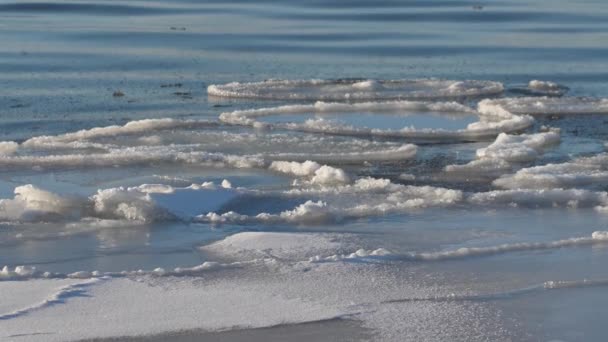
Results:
118 93
171 85
220 106
478 7
180 93
173 28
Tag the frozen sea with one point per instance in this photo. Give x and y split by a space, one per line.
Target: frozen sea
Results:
304 170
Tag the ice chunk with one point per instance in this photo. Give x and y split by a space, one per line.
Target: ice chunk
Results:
507 150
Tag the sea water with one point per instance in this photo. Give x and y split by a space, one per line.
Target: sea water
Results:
356 169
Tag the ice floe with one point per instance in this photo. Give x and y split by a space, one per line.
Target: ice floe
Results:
318 174
188 142
547 105
493 120
542 198
144 203
356 89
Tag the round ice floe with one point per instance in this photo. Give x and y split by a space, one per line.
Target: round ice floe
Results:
356 89
547 105
345 119
190 142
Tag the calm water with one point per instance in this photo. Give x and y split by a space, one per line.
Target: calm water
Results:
62 63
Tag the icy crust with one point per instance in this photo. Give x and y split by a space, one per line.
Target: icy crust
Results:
548 105
508 150
531 198
244 294
580 172
293 247
598 237
270 248
492 121
355 89
141 204
149 307
57 297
